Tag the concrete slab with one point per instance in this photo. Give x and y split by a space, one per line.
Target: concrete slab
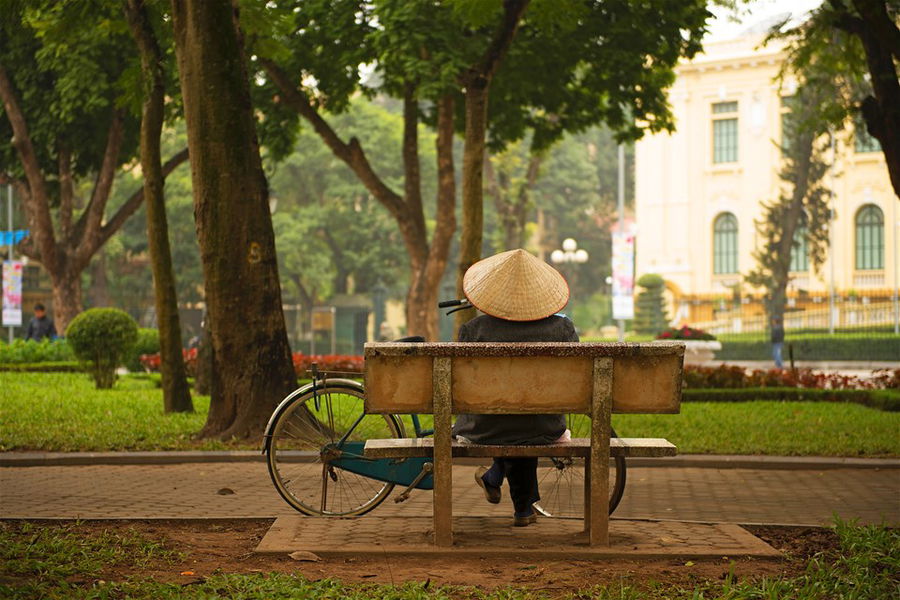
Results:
495 537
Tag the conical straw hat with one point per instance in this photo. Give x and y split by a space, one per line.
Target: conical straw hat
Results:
515 286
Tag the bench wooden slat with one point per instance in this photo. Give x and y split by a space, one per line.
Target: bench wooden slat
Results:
424 447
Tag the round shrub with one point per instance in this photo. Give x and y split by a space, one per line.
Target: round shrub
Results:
147 343
102 338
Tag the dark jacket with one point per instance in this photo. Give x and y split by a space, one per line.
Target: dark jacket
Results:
514 429
777 333
39 329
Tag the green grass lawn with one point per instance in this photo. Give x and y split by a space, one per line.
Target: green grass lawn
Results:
63 412
49 561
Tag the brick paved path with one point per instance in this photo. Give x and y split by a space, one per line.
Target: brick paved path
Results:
690 494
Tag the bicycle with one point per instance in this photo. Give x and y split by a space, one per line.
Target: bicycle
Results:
318 433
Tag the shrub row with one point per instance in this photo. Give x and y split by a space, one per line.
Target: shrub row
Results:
886 400
816 347
22 351
63 366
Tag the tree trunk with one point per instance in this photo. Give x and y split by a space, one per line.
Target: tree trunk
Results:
176 392
98 292
203 378
477 81
66 296
881 41
252 361
472 186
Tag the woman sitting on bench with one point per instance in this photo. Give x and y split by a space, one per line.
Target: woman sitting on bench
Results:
520 296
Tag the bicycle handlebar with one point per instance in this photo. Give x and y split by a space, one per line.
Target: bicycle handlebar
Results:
449 303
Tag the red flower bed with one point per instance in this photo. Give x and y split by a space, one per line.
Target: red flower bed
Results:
302 362
152 362
730 376
685 333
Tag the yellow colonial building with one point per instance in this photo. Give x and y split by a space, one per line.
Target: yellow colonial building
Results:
699 190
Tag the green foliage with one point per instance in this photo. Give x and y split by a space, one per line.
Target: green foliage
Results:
886 400
102 338
69 64
649 308
816 347
31 351
147 343
66 366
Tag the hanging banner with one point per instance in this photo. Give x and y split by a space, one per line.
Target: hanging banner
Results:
623 275
12 293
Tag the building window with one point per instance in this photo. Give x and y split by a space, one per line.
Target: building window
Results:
800 250
725 244
869 238
862 140
725 132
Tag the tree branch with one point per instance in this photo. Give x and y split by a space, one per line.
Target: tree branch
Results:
484 70
351 153
92 217
66 192
38 208
412 183
134 202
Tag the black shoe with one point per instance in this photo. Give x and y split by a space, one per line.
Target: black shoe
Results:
525 521
491 493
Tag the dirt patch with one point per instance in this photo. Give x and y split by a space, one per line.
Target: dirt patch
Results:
226 546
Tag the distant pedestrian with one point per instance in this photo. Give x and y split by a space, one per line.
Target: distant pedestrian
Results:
777 341
41 326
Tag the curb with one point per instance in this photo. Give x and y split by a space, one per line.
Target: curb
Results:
698 461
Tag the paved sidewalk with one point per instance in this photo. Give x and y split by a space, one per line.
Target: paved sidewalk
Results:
243 489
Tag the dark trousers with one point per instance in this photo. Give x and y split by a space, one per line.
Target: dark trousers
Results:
521 474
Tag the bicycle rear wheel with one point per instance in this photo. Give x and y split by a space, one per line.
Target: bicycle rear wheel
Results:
316 441
561 480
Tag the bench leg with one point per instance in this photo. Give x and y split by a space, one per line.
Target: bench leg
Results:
443 457
597 465
587 496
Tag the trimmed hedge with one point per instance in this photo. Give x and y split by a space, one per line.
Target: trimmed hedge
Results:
886 400
67 366
30 351
816 347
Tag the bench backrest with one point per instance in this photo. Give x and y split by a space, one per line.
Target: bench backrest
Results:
504 378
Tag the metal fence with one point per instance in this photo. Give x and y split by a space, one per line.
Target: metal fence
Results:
840 315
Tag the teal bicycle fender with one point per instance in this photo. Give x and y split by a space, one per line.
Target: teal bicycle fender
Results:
401 471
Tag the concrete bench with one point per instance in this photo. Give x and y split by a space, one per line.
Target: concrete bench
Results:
443 379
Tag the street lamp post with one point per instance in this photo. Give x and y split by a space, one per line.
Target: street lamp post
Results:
570 253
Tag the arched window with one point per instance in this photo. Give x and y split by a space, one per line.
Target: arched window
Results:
869 238
800 249
725 244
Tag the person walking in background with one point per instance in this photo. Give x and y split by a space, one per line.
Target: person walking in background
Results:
41 326
777 341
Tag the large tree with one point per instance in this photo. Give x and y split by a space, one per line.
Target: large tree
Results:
314 70
251 357
858 43
176 392
798 220
64 91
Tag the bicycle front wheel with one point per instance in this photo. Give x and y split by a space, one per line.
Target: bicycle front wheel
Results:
561 480
316 444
